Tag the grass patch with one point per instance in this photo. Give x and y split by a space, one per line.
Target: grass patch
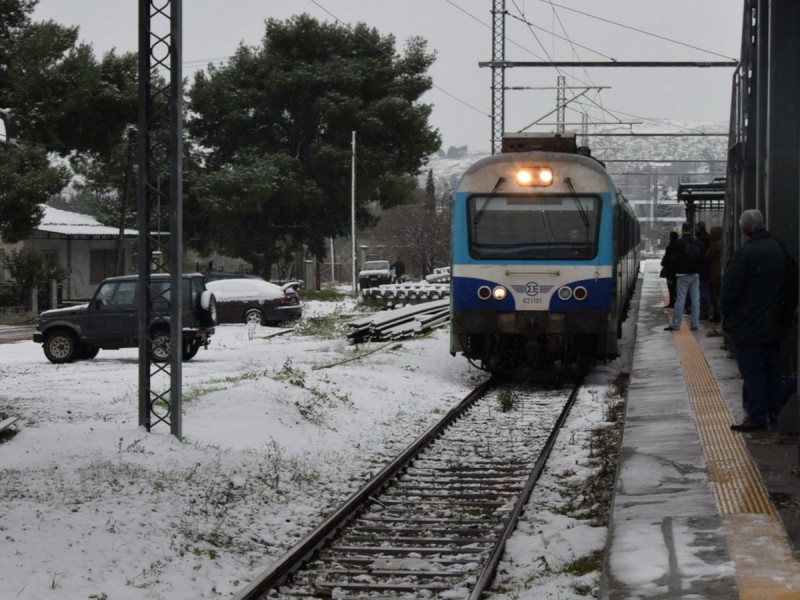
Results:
315 401
325 295
508 400
18 319
584 565
219 384
330 326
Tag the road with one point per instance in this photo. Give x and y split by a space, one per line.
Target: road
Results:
15 333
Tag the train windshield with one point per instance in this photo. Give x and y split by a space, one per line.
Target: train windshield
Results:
533 227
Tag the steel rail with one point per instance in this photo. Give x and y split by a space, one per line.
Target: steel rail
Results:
490 567
304 550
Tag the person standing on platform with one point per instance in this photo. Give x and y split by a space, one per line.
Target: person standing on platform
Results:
689 259
750 303
702 236
668 268
714 258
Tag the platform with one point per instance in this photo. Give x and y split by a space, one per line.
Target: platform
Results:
699 511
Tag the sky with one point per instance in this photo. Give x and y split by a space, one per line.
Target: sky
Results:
459 31
93 506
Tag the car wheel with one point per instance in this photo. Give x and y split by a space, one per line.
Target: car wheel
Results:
60 347
87 352
208 304
160 348
254 316
190 349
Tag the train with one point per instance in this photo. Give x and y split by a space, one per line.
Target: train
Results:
545 258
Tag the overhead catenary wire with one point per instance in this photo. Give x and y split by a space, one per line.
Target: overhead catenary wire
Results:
589 101
636 29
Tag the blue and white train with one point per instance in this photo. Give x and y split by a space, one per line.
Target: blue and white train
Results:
545 257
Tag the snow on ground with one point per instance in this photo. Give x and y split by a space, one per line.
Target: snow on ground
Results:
92 506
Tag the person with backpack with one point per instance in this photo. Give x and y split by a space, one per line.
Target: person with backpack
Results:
688 262
750 302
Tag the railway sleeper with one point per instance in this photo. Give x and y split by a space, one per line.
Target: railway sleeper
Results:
487 495
386 587
362 529
450 561
401 511
394 573
436 470
382 517
442 541
465 479
464 485
406 551
358 587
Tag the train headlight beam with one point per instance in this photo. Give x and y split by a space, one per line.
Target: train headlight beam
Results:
535 177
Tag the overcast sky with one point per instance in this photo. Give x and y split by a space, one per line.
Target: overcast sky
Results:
459 31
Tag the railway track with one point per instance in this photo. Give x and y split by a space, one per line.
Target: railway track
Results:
434 522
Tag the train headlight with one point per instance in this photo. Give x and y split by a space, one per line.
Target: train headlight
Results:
565 293
499 292
580 293
535 176
484 292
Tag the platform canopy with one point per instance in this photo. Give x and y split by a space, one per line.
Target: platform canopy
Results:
702 196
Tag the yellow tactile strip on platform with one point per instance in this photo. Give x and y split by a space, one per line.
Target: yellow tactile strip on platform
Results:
737 484
765 565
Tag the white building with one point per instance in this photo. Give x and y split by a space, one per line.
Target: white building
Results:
85 248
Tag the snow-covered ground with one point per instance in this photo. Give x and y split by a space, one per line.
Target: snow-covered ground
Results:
94 507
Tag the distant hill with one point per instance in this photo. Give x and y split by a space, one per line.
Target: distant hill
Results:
638 154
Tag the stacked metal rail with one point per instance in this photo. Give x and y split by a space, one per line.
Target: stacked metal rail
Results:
404 293
400 322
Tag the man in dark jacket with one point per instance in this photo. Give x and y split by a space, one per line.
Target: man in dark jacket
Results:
668 266
689 259
399 270
750 303
704 238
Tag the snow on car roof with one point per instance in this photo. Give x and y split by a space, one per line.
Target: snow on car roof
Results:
244 289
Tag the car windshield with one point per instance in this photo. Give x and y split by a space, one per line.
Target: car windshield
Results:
116 293
376 265
533 227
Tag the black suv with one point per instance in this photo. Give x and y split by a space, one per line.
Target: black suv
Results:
110 320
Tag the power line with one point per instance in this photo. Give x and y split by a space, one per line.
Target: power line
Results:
555 35
489 27
642 31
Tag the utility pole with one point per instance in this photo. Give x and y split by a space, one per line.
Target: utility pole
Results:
353 211
160 156
561 104
498 73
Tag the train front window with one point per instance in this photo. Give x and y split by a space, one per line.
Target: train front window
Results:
533 227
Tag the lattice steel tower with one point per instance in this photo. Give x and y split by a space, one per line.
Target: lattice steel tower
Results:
498 73
159 190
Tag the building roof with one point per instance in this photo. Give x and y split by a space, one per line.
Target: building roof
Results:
71 224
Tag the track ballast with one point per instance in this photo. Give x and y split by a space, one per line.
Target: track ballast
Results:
434 522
